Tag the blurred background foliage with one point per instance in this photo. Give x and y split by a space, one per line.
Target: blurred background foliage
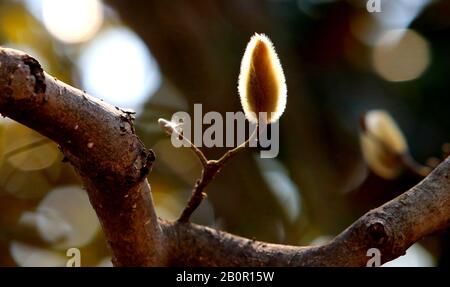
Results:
159 57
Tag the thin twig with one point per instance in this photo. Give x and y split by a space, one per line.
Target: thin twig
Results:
231 153
413 166
405 159
210 171
198 194
196 150
26 147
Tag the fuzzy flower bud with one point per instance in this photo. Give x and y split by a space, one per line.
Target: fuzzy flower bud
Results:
382 143
262 85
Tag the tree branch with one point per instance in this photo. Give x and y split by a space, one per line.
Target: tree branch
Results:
210 170
99 141
392 228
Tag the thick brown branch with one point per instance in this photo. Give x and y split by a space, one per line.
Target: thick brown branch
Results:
392 228
99 141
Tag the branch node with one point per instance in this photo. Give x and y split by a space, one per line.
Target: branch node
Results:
150 157
37 72
378 233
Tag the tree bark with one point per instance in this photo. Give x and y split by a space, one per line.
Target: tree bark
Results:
99 141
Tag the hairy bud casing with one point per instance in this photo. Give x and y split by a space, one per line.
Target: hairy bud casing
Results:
262 85
382 144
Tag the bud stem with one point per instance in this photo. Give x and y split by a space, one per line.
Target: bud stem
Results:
414 167
210 170
196 150
231 153
408 162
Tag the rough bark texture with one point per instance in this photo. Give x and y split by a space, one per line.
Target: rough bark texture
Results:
100 143
391 228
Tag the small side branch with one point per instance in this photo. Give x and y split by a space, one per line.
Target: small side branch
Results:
198 194
209 172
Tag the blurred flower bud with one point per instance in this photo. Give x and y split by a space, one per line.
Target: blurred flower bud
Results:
262 85
383 144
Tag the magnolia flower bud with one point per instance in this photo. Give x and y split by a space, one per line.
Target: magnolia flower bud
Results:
383 144
262 86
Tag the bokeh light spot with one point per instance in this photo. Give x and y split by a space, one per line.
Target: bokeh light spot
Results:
26 255
416 256
72 21
401 55
27 150
65 218
118 68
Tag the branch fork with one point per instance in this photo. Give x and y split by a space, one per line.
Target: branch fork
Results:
211 168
